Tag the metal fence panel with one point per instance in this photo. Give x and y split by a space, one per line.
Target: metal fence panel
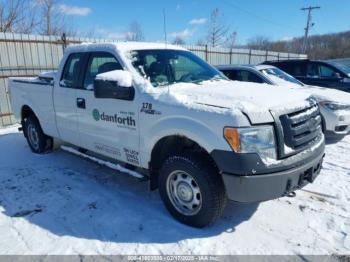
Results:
28 55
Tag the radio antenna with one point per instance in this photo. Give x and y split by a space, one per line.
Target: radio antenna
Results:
164 24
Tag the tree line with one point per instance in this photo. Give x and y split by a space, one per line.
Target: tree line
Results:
326 46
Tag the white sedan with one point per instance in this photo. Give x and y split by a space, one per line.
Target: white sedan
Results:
334 104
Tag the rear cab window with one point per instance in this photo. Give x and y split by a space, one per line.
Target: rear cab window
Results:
72 71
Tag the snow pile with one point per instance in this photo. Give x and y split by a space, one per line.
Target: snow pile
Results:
9 130
123 78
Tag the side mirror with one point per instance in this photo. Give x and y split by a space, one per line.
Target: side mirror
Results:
337 75
115 84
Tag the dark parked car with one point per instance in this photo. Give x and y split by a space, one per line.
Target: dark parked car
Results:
317 73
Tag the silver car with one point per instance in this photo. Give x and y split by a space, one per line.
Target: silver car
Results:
334 104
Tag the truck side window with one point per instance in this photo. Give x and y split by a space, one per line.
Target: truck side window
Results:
99 63
71 71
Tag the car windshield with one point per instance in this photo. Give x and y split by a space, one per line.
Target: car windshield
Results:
279 76
341 67
166 67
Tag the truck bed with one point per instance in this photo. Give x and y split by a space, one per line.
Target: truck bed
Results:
36 93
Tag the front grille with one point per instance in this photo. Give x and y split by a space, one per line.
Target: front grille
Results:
301 128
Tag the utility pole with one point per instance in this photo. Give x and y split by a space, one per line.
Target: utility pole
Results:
309 25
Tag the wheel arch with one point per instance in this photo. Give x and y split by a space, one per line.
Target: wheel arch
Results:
26 111
169 145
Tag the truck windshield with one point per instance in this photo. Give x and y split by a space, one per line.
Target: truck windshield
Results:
279 77
165 67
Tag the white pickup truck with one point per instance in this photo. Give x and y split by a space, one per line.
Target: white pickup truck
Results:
199 138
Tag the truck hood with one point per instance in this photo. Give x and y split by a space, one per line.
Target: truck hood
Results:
254 100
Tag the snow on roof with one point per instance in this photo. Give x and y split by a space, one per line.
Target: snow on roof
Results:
233 66
262 67
128 46
122 46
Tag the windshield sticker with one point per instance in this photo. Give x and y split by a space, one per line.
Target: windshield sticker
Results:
147 108
132 156
121 119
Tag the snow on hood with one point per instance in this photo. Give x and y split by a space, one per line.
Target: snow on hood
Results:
321 93
329 94
252 99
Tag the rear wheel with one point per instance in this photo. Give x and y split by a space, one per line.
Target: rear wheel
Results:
38 142
192 190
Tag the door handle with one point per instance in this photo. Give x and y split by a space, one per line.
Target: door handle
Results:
81 103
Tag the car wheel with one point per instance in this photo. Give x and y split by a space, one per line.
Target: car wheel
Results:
192 189
38 142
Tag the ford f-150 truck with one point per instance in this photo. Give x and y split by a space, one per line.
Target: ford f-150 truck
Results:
198 137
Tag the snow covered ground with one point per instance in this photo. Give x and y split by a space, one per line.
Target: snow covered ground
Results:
60 203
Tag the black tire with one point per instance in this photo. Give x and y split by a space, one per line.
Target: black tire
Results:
206 178
38 142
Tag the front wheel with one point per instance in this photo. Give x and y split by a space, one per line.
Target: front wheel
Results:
192 189
38 142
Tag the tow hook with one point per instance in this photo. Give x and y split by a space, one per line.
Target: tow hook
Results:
291 194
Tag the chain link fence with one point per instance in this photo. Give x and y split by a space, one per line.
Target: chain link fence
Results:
27 55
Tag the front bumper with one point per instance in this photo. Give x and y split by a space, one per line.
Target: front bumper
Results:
268 183
336 122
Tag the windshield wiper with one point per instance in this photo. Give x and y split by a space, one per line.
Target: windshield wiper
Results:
216 77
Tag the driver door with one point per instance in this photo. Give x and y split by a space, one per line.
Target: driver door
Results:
107 126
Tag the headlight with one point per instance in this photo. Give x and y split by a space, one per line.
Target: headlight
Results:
334 106
260 140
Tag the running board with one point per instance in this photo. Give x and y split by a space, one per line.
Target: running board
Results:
101 162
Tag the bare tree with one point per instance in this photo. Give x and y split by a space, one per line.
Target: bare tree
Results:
217 30
135 32
17 16
54 22
260 43
178 41
231 40
201 42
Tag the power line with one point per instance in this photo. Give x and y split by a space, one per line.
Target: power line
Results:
257 16
309 25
